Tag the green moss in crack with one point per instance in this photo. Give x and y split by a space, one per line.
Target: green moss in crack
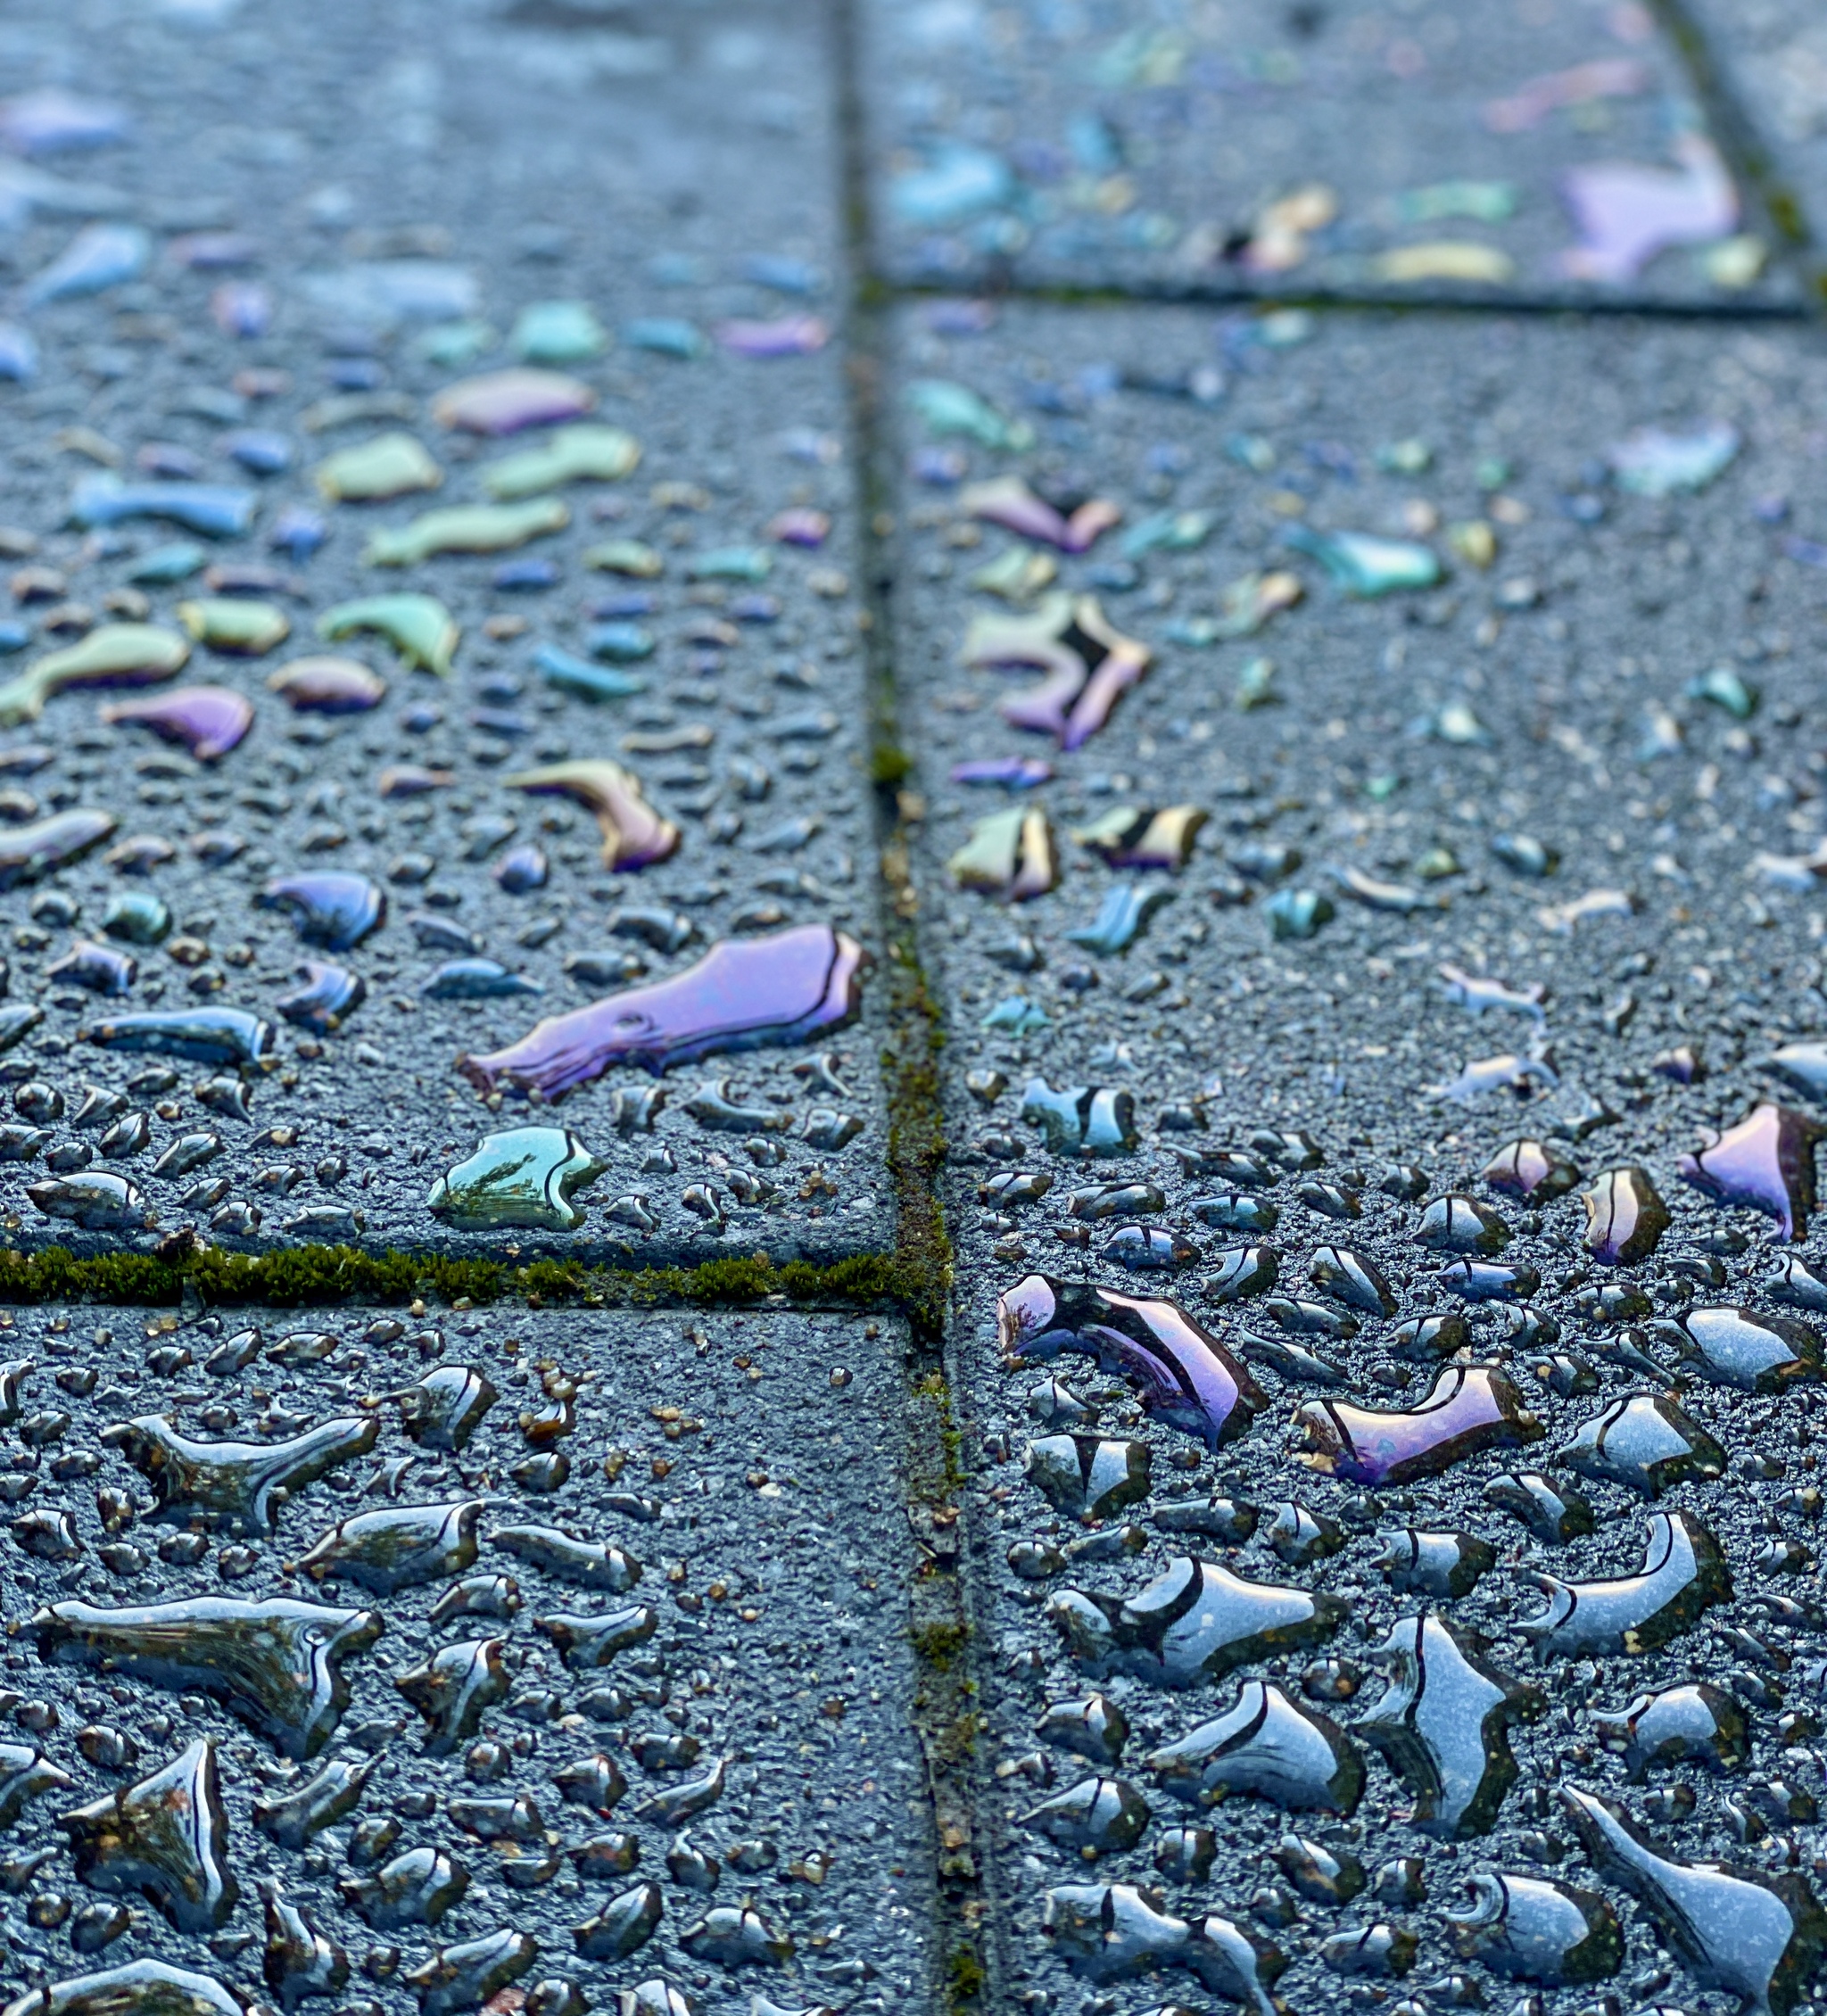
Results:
916 1143
316 1274
940 1642
965 1979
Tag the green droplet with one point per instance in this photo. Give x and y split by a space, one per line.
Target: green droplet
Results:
1724 688
419 627
1365 565
1437 863
572 675
627 556
388 465
1016 576
556 331
1734 262
137 653
1256 684
579 454
138 918
1017 1016
730 563
229 623
1297 913
1457 723
1474 542
1254 452
1487 203
1407 458
1283 328
665 335
167 564
944 408
1169 531
522 1178
1009 853
451 345
1247 604
466 528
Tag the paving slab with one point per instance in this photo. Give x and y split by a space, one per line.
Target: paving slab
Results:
504 1653
1280 1253
312 368
1554 151
574 138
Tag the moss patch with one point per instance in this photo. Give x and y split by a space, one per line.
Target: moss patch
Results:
336 1274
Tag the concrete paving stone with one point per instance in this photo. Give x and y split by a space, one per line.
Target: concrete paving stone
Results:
387 255
719 1792
573 139
1365 1304
1298 149
1769 57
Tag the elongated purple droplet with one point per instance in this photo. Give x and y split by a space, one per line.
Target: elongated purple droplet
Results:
787 335
744 992
1767 1161
208 721
1188 1377
1472 1407
503 402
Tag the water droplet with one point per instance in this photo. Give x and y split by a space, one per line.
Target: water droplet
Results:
419 627
277 1664
1010 854
1533 1928
524 1177
466 528
1644 1442
1624 1217
1443 1724
1188 1377
414 1889
1469 1408
1683 1573
1115 1932
1088 665
1767 1162
1364 566
1436 1564
1191 1624
1742 1348
1270 1747
1696 1723
1754 1935
591 1564
503 402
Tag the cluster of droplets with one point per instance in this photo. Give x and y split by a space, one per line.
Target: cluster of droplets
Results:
406 770
438 1738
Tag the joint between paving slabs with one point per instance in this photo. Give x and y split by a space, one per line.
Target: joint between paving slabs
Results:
1006 289
940 1628
184 1271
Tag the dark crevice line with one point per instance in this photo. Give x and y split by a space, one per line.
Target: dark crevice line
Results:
885 291
941 1626
1752 163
